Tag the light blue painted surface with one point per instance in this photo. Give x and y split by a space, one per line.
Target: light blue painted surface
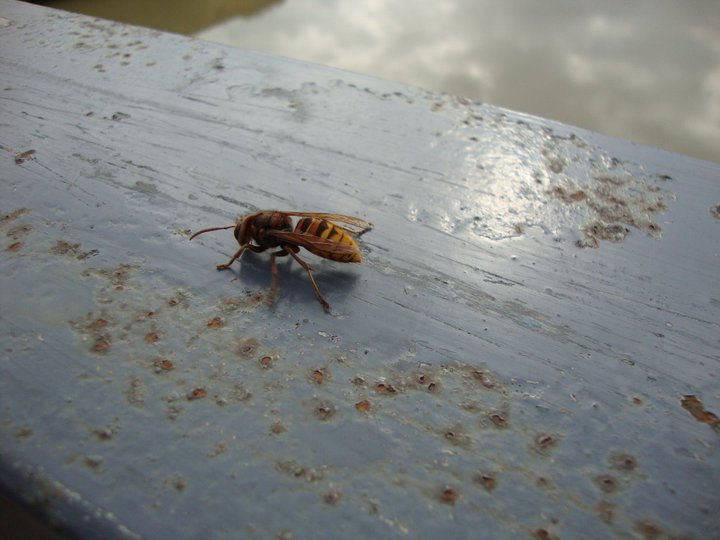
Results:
494 351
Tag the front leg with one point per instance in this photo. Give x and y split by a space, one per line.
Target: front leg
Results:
251 247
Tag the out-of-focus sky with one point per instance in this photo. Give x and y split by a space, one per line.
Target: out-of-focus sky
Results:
647 70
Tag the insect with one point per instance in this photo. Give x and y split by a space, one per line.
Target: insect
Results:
315 232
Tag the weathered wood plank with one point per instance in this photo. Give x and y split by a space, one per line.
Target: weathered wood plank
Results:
534 304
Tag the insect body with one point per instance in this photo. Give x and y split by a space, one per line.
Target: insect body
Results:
315 232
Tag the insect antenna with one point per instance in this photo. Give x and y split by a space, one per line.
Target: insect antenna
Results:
211 229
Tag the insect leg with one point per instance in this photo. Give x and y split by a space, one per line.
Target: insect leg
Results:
256 249
305 265
273 276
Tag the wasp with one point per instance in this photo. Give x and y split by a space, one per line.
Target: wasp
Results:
315 232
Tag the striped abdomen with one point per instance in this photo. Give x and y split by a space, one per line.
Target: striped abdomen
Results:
331 232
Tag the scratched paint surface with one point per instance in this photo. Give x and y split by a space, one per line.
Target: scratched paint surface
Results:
529 348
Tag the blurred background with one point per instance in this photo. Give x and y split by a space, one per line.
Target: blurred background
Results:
647 71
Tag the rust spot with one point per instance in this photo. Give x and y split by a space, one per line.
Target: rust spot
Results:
318 375
542 482
101 344
24 432
606 511
93 462
362 406
247 347
172 302
266 362
277 428
541 534
19 231
695 407
568 196
332 497
483 377
163 364
449 495
606 483
62 247
15 246
220 448
13 215
215 322
544 442
498 419
135 392
648 530
22 157
637 401
104 433
251 302
323 411
151 337
196 393
623 462
385 388
486 480
97 323
178 482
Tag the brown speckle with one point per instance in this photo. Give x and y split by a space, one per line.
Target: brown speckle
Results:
498 419
277 428
93 462
104 433
22 157
332 497
648 530
318 376
13 215
486 480
385 388
544 442
605 511
362 406
18 231
24 432
101 344
151 337
606 483
61 247
178 482
15 246
215 322
247 347
449 495
623 462
196 393
266 362
695 407
135 392
323 411
162 364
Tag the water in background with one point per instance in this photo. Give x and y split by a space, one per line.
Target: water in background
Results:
648 70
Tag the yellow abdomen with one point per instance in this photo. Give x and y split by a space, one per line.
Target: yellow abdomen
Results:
331 232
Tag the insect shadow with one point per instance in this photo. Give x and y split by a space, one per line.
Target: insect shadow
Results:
253 269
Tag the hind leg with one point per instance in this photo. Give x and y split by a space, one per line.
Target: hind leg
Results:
319 295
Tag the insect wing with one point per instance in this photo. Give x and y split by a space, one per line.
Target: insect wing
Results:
350 220
311 242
